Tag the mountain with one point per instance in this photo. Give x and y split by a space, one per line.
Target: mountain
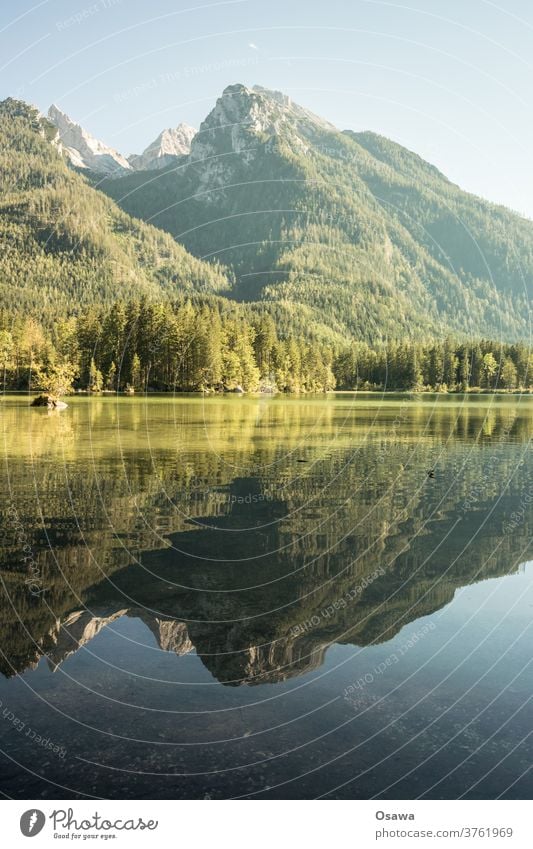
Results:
336 235
82 149
183 579
81 626
64 245
353 232
165 150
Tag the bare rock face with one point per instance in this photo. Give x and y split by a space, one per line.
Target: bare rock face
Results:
165 150
74 632
243 116
170 634
83 150
245 124
81 626
280 661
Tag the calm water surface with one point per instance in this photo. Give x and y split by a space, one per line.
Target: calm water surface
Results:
267 597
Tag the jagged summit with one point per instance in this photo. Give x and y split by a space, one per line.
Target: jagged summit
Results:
170 144
297 110
83 149
239 116
242 115
278 96
81 626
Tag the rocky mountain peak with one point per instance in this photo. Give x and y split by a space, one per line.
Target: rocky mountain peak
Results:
81 626
83 149
278 96
170 144
245 117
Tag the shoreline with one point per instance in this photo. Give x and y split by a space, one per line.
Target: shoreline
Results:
414 395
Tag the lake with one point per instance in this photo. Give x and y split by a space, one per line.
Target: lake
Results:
267 597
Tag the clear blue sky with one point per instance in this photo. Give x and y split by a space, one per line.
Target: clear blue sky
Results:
450 79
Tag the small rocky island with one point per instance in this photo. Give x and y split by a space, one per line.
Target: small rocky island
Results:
52 402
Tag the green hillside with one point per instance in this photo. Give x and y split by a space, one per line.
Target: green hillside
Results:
367 238
64 245
480 241
336 236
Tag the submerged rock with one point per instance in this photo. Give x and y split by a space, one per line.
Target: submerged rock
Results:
49 401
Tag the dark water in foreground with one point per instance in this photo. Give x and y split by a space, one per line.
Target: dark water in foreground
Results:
270 597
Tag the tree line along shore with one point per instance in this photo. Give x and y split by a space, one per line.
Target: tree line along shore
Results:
137 345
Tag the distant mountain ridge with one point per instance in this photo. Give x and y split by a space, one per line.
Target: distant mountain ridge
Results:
84 151
165 150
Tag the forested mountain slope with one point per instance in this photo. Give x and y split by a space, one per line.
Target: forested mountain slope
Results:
64 245
369 239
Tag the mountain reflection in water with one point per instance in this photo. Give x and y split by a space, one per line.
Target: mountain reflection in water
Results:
196 520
